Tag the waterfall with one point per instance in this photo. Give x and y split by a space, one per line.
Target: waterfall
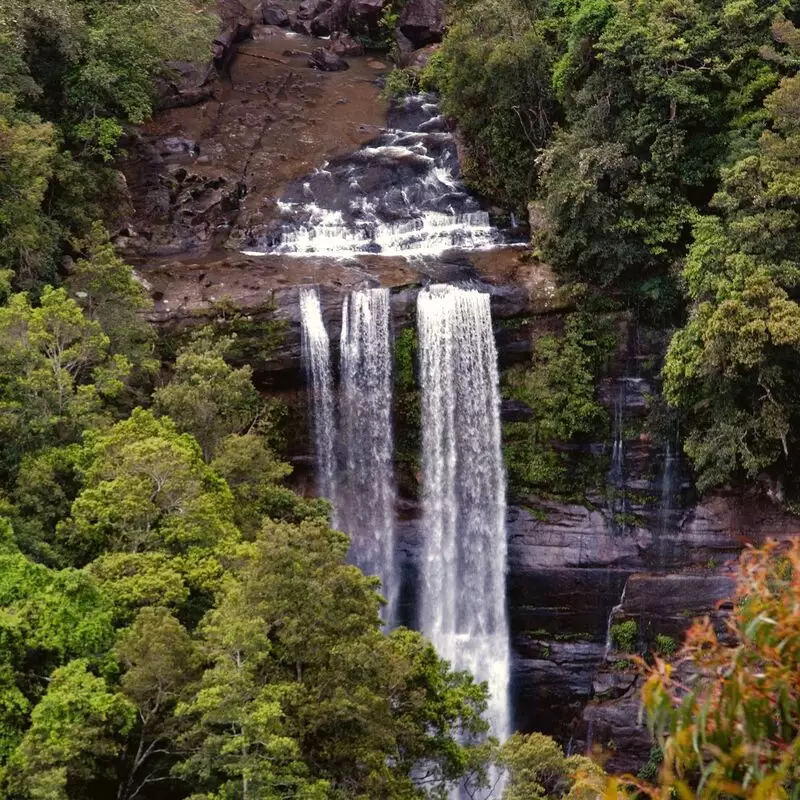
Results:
317 363
617 503
366 494
463 588
668 481
399 195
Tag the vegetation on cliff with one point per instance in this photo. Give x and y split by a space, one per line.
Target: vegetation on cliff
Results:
656 146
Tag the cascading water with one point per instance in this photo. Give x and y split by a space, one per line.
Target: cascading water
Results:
365 504
617 503
463 575
317 363
399 195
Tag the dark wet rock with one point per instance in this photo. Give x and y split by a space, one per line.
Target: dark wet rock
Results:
177 145
343 44
515 411
301 26
327 60
365 15
273 14
422 22
404 45
360 17
184 84
309 9
322 25
618 729
223 45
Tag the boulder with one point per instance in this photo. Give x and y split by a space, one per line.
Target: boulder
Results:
309 9
222 47
326 60
422 22
418 60
275 15
365 15
343 44
301 26
323 24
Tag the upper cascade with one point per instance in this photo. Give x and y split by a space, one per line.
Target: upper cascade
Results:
399 195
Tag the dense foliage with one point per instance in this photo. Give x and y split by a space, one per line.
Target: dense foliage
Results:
656 146
174 621
72 74
543 453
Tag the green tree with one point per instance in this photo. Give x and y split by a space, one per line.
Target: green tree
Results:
58 369
160 661
146 488
27 152
206 396
134 581
252 471
306 695
47 617
733 368
105 288
494 75
539 770
559 388
74 738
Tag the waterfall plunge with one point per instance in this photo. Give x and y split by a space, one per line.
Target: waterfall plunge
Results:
317 362
366 503
463 594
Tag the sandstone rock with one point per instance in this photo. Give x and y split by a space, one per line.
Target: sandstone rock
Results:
275 15
326 60
422 22
345 45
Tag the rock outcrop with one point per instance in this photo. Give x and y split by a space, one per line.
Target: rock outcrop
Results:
422 22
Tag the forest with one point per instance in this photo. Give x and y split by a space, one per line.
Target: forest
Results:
175 621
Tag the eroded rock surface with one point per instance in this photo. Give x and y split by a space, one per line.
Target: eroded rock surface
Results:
271 120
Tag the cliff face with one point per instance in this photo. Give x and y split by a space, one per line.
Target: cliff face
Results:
206 178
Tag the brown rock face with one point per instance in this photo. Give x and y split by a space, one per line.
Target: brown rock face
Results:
272 120
343 44
422 22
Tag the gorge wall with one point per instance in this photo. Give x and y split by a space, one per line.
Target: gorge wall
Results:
206 181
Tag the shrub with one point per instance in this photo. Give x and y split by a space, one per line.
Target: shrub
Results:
665 645
624 636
